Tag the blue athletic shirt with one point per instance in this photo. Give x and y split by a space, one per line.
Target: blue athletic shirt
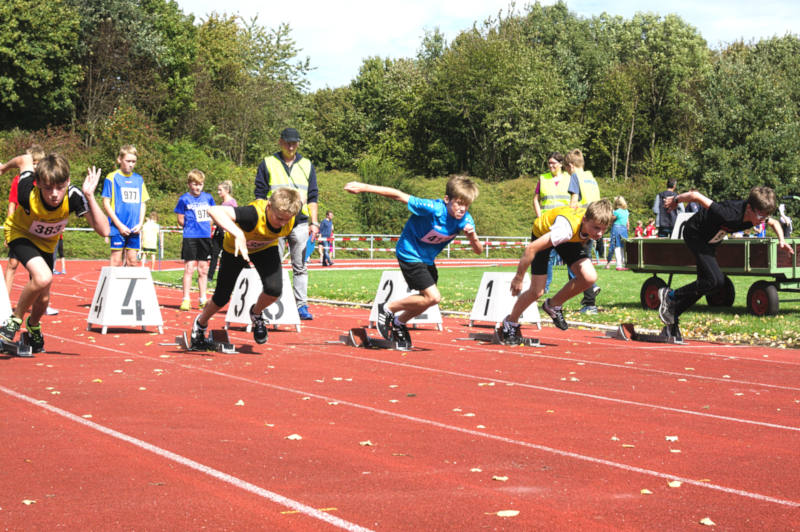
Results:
197 222
127 193
429 229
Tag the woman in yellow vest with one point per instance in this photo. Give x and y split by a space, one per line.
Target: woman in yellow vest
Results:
552 191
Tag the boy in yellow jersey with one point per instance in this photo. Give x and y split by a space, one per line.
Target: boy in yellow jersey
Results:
45 199
251 234
567 230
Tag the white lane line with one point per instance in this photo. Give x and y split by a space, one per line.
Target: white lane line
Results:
210 471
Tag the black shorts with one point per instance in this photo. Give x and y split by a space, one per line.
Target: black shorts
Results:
196 249
419 275
59 252
570 253
267 263
24 250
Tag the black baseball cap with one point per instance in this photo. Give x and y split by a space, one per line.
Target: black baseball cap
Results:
290 134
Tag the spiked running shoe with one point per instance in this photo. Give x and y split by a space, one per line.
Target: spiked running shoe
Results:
509 334
259 326
556 314
401 337
666 307
9 329
304 313
385 319
198 341
35 336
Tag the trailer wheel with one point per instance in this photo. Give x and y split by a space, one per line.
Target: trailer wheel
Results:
762 299
724 296
649 293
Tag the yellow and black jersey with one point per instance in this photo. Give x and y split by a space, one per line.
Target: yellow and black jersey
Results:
543 223
252 219
38 222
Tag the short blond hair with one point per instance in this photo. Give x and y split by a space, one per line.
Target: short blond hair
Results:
286 200
620 203
460 187
575 158
600 211
196 176
127 149
36 152
227 185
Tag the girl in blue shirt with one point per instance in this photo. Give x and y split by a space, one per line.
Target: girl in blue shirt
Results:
619 232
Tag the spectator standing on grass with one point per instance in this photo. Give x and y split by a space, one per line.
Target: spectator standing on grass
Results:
583 190
192 210
665 219
552 190
431 226
46 199
326 238
124 199
37 153
224 191
650 230
704 232
150 231
566 230
638 231
786 222
287 168
619 233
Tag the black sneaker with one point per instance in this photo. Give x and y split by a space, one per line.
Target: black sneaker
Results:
556 314
198 340
259 326
509 334
385 320
401 337
9 329
35 336
666 307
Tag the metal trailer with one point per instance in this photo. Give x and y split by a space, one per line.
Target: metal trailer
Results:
757 257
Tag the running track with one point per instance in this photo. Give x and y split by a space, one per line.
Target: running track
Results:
116 432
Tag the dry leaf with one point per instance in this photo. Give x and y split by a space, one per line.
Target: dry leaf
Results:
239 403
294 437
97 380
707 521
28 502
499 478
674 483
671 438
646 491
508 513
366 443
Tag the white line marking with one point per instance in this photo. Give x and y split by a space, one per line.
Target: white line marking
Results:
210 471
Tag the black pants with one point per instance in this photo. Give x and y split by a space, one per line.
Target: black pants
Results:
216 247
709 276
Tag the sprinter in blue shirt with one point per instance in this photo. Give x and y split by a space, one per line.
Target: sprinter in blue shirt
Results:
432 225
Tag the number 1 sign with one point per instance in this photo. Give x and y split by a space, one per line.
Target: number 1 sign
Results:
494 300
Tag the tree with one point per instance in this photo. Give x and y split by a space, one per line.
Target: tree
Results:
39 70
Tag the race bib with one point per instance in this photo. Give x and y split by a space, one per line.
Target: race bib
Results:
253 244
47 229
129 195
201 213
435 237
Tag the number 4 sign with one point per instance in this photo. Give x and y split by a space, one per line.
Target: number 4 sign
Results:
494 300
125 297
245 293
393 286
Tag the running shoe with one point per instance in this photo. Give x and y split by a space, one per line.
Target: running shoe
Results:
666 307
401 337
259 326
9 329
304 313
198 341
556 314
385 319
186 305
509 334
35 336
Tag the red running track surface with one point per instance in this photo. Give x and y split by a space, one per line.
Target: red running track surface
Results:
117 432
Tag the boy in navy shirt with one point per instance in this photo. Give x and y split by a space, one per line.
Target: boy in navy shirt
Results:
432 225
704 231
192 210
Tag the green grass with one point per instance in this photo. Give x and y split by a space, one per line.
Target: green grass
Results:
619 302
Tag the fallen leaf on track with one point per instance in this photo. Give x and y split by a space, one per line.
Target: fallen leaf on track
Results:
239 403
294 437
499 478
507 513
674 483
366 443
646 491
707 521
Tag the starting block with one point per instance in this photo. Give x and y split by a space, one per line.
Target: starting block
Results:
493 338
22 348
217 341
358 337
670 334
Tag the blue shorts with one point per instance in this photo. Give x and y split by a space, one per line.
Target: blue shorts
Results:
132 241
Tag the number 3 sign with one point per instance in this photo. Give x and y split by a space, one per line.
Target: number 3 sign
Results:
245 293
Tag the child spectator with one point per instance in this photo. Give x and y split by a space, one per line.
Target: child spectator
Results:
150 231
566 230
37 153
650 228
192 211
583 190
432 225
638 231
46 198
619 233
251 234
224 191
124 196
704 231
326 238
